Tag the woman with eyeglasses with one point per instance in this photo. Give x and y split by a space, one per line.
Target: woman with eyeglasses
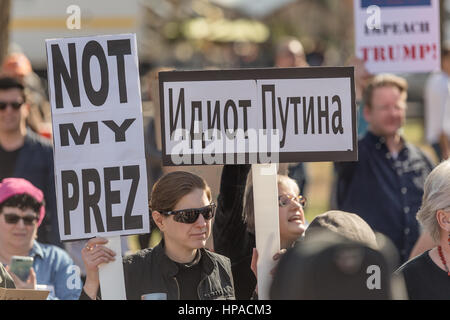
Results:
22 211
234 226
179 267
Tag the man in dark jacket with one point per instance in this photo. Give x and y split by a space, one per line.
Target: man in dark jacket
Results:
385 186
24 154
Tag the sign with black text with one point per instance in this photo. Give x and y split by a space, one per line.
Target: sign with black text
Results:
398 35
258 116
100 171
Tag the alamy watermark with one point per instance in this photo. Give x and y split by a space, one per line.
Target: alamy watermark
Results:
374 19
374 280
188 147
73 281
74 20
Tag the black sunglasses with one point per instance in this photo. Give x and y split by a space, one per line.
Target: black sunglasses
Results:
14 105
12 218
191 215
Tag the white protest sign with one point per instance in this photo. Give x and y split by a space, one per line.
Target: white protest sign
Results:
398 36
258 116
98 138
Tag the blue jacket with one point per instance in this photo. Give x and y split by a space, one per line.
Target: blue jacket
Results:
385 192
55 268
35 163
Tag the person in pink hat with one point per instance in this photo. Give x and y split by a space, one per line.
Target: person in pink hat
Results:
22 210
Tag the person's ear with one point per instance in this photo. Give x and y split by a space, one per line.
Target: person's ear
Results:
443 219
367 113
159 220
25 110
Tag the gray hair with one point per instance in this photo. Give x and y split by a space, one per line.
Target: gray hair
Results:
436 196
249 214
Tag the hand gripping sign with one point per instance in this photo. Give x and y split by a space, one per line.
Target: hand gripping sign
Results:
98 138
262 117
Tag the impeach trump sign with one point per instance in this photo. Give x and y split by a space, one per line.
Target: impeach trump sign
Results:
258 116
98 139
398 35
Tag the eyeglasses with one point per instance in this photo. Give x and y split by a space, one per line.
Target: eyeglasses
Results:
191 215
12 218
14 105
285 199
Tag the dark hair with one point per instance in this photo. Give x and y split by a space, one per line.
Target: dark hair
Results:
7 83
170 188
10 83
22 201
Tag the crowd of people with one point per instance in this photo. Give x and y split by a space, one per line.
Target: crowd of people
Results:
389 237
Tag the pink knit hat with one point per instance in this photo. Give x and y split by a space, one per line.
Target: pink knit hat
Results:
11 186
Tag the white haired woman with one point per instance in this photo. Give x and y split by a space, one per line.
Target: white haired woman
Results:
427 276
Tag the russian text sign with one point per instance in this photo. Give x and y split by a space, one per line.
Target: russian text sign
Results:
398 35
100 172
258 116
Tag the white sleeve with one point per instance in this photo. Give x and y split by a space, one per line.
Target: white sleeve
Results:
446 117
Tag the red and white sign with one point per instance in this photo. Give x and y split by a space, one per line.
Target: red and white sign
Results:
398 36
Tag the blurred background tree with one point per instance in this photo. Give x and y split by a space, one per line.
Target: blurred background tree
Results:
5 6
224 33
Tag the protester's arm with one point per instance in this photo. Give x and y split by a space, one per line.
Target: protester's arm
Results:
344 173
254 267
6 281
94 254
30 283
51 203
230 228
444 102
443 143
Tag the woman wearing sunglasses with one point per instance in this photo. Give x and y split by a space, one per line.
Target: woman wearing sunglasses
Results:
179 267
234 226
21 212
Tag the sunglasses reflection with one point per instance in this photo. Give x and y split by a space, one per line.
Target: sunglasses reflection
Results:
191 215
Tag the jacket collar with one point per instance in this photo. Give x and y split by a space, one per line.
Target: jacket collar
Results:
379 141
170 268
36 250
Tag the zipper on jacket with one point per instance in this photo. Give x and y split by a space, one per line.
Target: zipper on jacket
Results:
178 288
198 288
